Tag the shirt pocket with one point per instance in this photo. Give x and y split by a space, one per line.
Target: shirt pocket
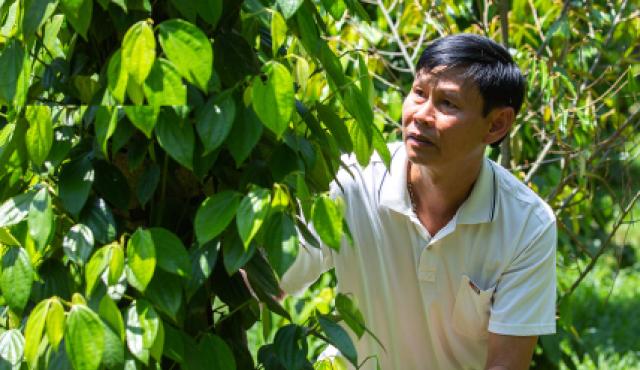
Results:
472 309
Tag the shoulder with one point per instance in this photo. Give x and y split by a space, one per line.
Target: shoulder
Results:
518 199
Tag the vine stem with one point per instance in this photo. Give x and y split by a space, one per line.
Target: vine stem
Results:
604 245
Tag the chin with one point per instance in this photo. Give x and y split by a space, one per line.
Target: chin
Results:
420 157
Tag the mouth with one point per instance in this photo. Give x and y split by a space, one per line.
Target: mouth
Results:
419 140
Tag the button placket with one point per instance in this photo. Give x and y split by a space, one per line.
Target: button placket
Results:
427 268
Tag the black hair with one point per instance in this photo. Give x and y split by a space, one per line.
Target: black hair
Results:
485 62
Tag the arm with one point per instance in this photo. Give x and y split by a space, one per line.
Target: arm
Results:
508 352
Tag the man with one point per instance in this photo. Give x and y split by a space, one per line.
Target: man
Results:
454 258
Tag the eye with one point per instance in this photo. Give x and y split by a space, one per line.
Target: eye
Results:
448 104
418 92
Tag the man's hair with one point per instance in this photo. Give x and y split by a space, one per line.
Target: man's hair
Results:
485 62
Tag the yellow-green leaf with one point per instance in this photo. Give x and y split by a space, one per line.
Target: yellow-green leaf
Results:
251 214
141 258
55 322
189 49
139 51
84 338
39 138
273 98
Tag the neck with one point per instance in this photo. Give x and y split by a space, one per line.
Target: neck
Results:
440 192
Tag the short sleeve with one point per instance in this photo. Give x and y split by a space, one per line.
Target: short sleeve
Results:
525 296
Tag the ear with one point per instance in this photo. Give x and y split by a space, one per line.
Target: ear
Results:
500 120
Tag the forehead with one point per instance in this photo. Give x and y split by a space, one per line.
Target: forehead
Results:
450 79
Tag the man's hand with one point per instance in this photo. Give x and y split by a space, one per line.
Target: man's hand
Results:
508 352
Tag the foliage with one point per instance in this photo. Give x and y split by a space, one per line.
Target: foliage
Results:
157 160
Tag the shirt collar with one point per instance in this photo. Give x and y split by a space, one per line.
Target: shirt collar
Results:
479 207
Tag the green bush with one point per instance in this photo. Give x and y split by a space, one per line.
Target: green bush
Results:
157 160
156 163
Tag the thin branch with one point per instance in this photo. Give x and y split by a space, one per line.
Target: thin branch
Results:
604 246
396 35
539 160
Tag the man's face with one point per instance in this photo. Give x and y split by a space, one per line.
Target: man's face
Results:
442 121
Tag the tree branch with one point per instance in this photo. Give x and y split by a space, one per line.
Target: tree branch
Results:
396 35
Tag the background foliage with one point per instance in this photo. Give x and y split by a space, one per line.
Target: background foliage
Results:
157 158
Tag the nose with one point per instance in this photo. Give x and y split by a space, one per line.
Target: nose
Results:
425 112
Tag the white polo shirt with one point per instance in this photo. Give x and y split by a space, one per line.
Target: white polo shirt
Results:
432 300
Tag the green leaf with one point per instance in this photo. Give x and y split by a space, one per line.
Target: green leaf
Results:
75 182
95 268
157 348
117 76
34 330
14 65
40 218
35 13
290 346
113 356
165 292
171 254
84 338
164 85
142 328
16 278
215 214
109 312
274 99
234 253
7 238
116 263
214 121
362 145
216 353
210 10
335 7
11 348
350 313
111 184
139 51
144 117
189 49
174 346
187 8
148 183
99 219
203 260
327 220
336 126
339 338
15 209
251 213
141 258
281 241
78 13
105 125
176 137
357 9
245 133
278 32
39 138
55 322
289 7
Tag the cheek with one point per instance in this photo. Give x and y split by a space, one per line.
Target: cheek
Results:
407 112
